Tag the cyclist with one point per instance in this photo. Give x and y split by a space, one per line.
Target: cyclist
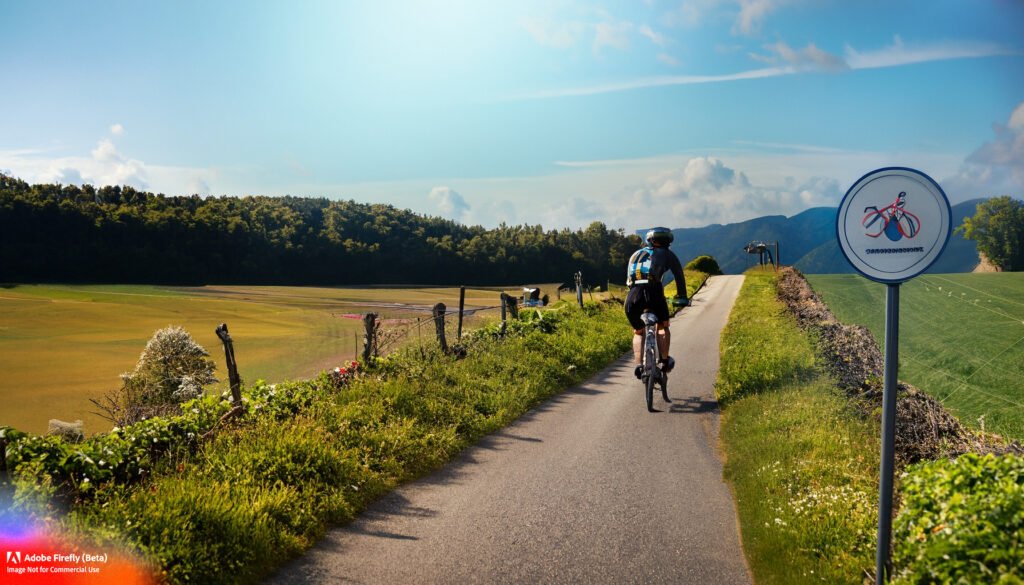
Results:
646 268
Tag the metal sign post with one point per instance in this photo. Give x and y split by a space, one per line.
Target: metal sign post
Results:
883 557
892 225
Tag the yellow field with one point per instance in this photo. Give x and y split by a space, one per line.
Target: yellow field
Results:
62 345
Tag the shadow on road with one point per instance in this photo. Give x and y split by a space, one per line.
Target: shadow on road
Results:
693 405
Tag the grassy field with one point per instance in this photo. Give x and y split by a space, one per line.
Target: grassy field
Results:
802 465
961 339
62 345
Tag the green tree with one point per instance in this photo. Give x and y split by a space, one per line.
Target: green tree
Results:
998 228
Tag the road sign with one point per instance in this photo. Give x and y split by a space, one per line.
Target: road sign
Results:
893 224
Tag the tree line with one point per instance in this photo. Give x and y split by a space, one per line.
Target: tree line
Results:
69 233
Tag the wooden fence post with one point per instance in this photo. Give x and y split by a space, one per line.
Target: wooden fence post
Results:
438 312
462 309
229 357
579 289
504 307
513 306
370 337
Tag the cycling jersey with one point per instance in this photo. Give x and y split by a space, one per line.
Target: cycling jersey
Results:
650 264
647 266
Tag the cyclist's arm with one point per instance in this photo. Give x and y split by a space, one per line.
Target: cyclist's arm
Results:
677 273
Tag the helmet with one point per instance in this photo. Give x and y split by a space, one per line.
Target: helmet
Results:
659 235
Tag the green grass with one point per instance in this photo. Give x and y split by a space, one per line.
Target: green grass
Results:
62 345
961 339
802 464
261 492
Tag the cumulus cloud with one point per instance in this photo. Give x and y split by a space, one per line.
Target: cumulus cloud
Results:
705 191
105 165
67 176
995 168
450 203
809 58
117 129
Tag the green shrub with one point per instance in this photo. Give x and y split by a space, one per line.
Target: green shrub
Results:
172 369
705 264
961 521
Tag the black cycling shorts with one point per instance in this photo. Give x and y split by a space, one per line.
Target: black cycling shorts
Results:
646 297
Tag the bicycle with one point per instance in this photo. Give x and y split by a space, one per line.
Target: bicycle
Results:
650 373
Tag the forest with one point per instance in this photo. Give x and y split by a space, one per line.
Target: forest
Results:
84 234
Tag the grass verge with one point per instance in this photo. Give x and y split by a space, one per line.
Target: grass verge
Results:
803 465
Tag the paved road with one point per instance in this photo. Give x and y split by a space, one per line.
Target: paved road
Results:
587 488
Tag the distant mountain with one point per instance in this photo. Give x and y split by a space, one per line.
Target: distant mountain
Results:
806 240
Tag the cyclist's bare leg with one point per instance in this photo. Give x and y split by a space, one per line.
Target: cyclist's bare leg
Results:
664 339
638 344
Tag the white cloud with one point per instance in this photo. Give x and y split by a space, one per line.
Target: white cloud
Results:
752 13
690 13
668 59
117 129
898 53
705 191
612 34
574 213
450 203
105 165
810 58
788 61
995 168
198 186
68 176
654 36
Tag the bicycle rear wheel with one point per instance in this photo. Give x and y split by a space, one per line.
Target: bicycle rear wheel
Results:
651 374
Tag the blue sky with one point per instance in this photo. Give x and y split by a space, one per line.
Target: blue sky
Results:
558 112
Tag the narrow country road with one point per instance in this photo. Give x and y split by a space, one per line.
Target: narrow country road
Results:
587 488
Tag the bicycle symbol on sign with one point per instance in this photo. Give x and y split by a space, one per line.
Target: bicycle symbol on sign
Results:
896 222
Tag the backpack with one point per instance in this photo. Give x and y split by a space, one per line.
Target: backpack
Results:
639 269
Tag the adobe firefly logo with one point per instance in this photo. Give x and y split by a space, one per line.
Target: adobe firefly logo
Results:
13 557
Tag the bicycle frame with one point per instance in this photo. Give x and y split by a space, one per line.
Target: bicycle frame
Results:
650 355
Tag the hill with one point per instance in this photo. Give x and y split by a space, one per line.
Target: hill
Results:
71 234
806 240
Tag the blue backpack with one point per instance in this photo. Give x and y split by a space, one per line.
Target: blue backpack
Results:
639 268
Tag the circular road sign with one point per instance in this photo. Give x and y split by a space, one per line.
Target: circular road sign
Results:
893 224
